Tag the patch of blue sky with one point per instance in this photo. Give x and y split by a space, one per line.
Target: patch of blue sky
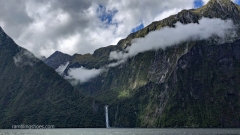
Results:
237 2
106 15
139 27
198 3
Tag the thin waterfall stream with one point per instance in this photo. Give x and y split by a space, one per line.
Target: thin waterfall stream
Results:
106 115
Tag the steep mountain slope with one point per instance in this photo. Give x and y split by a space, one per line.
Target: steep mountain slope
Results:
202 91
33 93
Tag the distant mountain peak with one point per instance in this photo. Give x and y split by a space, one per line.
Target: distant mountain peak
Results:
221 3
224 9
56 59
58 53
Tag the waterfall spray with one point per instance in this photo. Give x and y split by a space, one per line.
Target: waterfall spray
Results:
106 115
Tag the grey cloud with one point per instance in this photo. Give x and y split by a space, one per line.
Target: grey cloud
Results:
14 16
73 6
76 22
18 24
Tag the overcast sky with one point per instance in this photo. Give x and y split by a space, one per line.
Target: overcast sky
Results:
81 26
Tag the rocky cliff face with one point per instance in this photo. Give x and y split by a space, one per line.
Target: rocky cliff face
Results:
33 93
204 88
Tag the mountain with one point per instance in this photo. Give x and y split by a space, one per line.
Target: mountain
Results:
33 93
57 59
149 90
192 84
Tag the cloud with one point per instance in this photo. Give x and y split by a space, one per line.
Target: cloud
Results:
14 18
172 36
61 68
78 26
24 58
82 75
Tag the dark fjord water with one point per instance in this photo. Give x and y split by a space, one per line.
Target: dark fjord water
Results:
120 131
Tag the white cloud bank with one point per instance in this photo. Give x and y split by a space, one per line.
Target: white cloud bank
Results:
82 75
173 36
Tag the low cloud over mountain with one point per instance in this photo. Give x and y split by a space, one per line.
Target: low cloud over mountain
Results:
172 36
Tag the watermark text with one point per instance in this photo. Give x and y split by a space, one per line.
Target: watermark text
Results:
23 126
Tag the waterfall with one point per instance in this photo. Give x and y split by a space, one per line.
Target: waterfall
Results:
106 115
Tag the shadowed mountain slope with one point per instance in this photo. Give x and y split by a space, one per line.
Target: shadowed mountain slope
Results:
33 93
